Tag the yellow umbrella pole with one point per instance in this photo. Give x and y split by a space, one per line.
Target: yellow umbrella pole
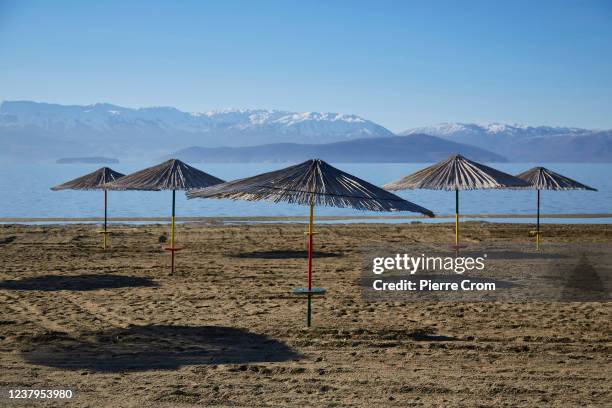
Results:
172 229
105 233
172 248
538 224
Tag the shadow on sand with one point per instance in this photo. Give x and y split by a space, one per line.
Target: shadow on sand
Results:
76 282
588 281
141 348
7 240
423 335
283 254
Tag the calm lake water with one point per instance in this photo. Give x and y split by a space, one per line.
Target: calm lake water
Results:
25 193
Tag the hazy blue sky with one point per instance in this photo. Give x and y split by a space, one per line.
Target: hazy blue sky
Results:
402 64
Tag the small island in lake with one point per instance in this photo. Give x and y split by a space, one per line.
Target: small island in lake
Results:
89 160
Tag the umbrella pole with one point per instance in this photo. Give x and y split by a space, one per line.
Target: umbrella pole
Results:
456 218
538 224
105 217
172 232
310 233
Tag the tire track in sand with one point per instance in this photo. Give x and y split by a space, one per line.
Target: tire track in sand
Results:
101 312
54 315
61 311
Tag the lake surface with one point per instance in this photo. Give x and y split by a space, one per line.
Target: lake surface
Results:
25 192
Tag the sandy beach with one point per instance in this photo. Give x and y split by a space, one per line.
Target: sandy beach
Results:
225 330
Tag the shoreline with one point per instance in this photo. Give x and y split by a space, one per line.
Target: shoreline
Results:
255 219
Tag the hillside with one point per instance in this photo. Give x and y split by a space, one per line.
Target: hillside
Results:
399 149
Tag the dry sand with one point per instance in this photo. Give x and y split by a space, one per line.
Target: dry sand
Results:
226 331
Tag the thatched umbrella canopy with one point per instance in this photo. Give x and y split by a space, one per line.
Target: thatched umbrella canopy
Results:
313 182
457 173
96 180
172 175
541 178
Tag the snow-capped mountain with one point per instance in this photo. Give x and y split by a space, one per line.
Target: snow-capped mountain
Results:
31 130
102 117
528 143
475 130
110 129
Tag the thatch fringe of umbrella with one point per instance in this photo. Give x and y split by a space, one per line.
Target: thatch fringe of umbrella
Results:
457 173
96 180
172 175
311 183
541 178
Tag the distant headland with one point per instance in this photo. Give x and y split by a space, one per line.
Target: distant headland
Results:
88 160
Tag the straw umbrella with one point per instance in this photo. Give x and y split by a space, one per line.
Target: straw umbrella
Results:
96 180
540 178
172 175
313 182
456 173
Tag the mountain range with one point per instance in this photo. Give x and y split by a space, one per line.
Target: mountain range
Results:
32 131
42 130
523 143
412 148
